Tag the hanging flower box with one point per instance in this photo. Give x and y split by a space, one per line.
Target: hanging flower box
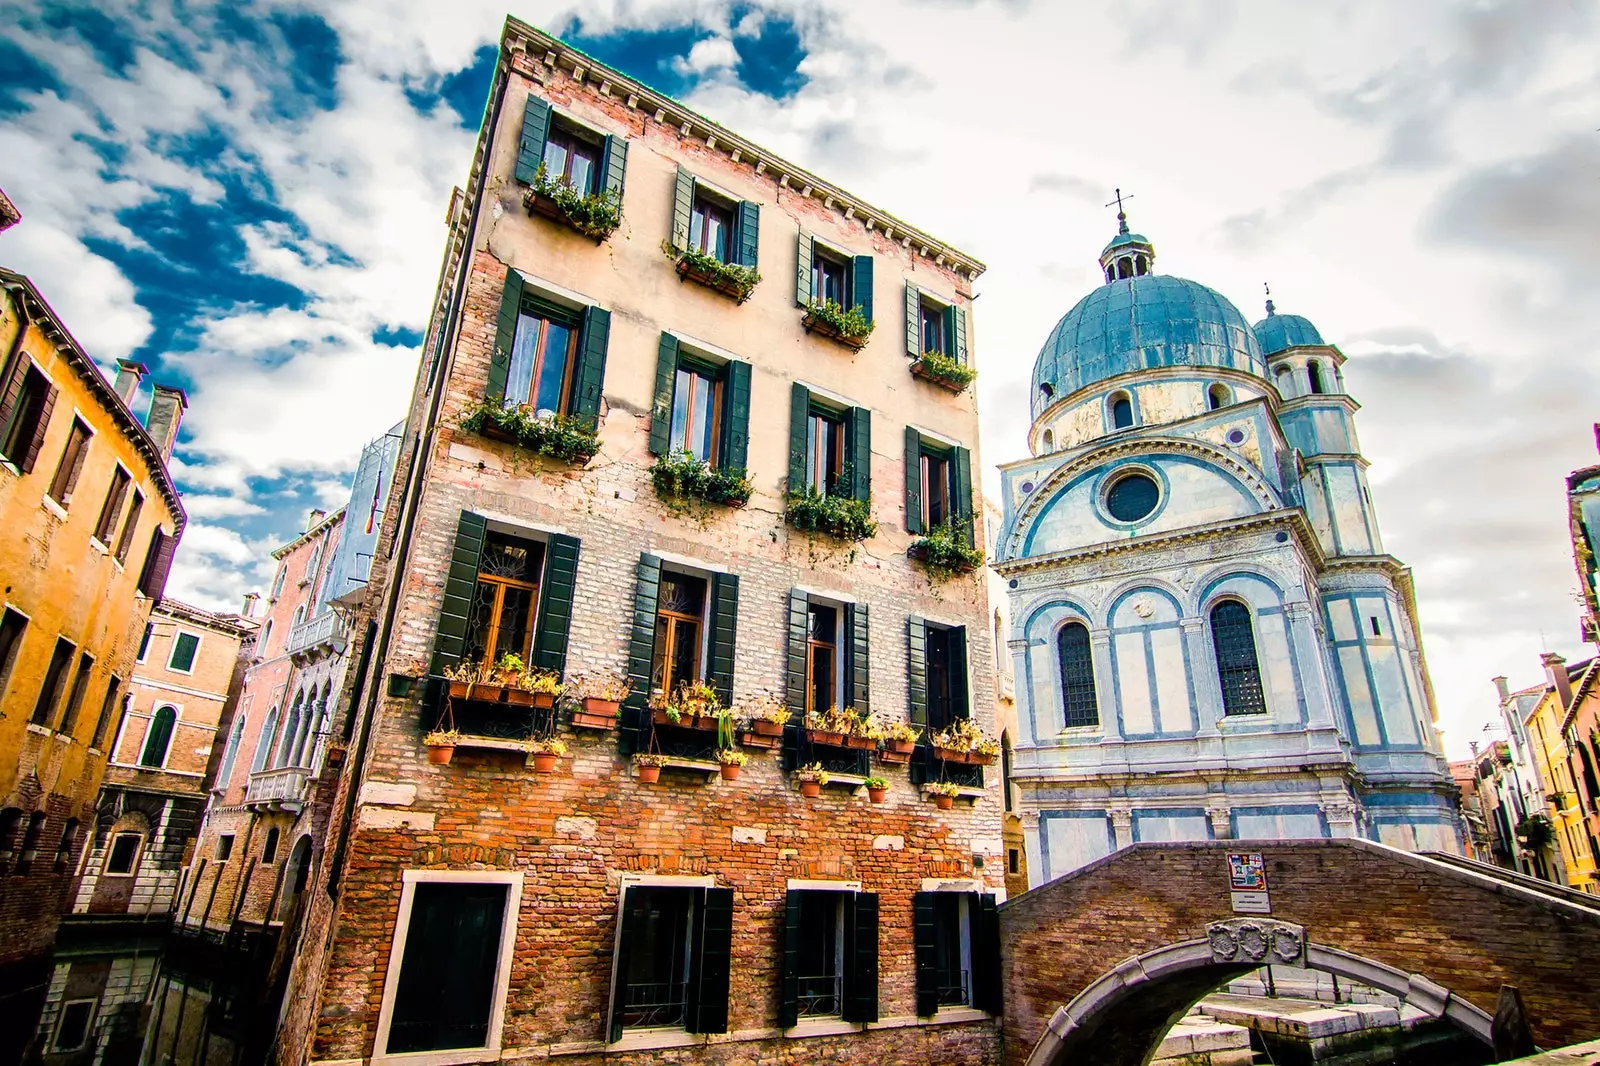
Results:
944 550
595 215
851 328
837 516
890 757
730 279
766 727
569 439
704 722
963 757
476 690
681 477
939 369
760 741
860 743
826 737
523 698
595 713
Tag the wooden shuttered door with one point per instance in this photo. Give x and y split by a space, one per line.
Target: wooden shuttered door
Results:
860 447
795 680
590 376
641 648
913 481
805 248
799 411
913 320
505 336
861 958
987 976
710 963
535 130
960 705
961 475
461 580
917 669
924 937
157 564
857 658
724 619
554 624
748 233
789 981
736 417
661 404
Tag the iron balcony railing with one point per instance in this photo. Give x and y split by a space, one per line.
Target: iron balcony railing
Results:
286 784
323 630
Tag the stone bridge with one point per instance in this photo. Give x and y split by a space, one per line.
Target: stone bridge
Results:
1100 963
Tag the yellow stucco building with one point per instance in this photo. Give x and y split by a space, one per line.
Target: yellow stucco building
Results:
90 519
1547 747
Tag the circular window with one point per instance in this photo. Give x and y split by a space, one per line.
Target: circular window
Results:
1236 436
1027 487
1132 497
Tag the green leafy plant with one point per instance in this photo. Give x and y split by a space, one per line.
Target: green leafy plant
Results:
649 758
944 788
1535 832
964 735
812 772
876 783
736 280
730 757
680 476
837 516
945 550
943 370
850 325
570 439
596 215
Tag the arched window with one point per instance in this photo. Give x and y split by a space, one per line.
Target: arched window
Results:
1217 396
1047 391
1121 411
30 842
266 638
1285 383
1049 441
231 752
1237 666
1314 372
69 841
290 727
1141 266
159 738
264 742
1077 675
269 849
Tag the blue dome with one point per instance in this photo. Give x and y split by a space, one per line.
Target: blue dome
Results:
1138 324
1277 332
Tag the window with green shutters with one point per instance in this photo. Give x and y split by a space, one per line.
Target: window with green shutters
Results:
933 325
672 960
830 956
830 447
957 941
710 222
548 359
577 167
938 485
835 287
701 406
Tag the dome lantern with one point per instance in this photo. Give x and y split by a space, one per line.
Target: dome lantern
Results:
1128 255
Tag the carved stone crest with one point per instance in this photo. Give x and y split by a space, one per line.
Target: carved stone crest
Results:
1257 940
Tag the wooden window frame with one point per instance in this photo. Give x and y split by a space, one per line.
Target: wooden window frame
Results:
64 483
10 652
812 645
17 434
111 510
111 845
821 259
700 373
668 654
926 459
44 708
700 210
61 1020
542 353
928 311
567 136
501 586
817 474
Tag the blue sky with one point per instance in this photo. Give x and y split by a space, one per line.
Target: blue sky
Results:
249 197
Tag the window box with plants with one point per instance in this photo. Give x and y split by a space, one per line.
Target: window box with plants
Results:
1535 833
942 370
964 743
945 551
835 515
570 439
763 720
528 688
600 699
693 705
836 727
899 742
730 279
596 215
849 326
681 477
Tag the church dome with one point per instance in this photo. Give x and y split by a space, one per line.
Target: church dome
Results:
1277 332
1140 323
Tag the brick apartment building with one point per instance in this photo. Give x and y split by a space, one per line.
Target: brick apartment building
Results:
482 908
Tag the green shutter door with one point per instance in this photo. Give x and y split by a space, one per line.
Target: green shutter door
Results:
709 963
591 373
861 453
987 977
555 603
795 689
535 129
789 982
861 284
682 207
913 481
858 661
802 279
450 641
917 669
724 634
661 406
962 468
959 705
641 650
799 411
633 928
505 337
922 935
749 233
615 165
861 958
736 418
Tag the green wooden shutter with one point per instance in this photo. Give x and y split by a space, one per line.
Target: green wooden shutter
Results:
861 958
955 333
555 603
961 467
913 320
634 923
41 426
591 374
450 640
917 669
535 130
861 284
913 481
802 280
795 688
710 963
923 937
724 634
505 337
799 412
858 661
736 418
666 382
789 982
987 977
861 453
682 208
641 650
749 233
615 164
959 705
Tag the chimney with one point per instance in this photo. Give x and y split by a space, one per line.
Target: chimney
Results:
250 599
129 374
1555 668
166 411
315 515
1503 688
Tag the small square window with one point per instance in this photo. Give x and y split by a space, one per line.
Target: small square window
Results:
72 1030
184 648
224 847
123 855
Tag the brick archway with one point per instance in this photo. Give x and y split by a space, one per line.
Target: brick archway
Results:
1098 964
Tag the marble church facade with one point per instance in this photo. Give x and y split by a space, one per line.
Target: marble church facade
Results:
1208 639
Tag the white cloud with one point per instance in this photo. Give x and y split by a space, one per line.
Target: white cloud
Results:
209 506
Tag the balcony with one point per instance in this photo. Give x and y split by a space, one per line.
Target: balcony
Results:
282 789
323 634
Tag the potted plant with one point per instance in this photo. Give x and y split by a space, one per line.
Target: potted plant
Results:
729 278
441 745
600 696
877 789
474 681
899 741
942 370
694 705
964 742
832 726
649 764
766 716
569 438
545 751
1535 832
537 688
680 477
843 517
730 762
944 794
595 215
811 777
865 733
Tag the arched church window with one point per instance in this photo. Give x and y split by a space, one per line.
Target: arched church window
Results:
1077 675
1121 411
1049 441
1111 274
1285 383
1124 268
1217 396
1141 266
1047 391
1238 669
1314 372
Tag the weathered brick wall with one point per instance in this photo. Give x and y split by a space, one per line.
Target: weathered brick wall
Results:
1456 929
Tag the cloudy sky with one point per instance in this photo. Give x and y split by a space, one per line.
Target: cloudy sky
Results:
249 197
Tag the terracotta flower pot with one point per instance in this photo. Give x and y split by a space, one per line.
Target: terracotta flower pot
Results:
586 720
766 728
596 706
440 754
861 743
649 774
543 700
729 771
825 736
944 803
900 747
955 755
520 697
894 758
811 789
543 762
877 795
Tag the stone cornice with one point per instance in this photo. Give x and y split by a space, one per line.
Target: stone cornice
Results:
1329 350
1321 399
